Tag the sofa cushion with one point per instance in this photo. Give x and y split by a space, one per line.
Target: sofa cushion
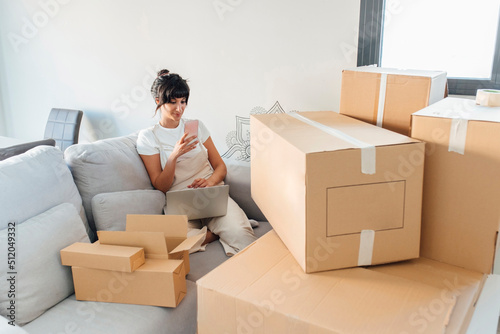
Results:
41 281
7 328
238 178
34 182
72 316
110 210
108 165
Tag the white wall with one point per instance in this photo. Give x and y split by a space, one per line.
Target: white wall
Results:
101 57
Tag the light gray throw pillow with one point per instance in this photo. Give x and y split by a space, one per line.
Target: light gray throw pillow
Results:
40 280
34 182
110 209
104 166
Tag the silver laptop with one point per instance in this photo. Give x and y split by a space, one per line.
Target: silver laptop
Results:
198 203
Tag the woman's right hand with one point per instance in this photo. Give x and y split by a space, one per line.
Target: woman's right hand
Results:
184 145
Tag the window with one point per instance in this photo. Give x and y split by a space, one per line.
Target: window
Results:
458 36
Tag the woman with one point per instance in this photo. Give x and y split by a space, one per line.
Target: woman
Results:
175 161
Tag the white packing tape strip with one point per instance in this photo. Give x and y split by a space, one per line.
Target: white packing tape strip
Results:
458 135
368 152
366 241
381 99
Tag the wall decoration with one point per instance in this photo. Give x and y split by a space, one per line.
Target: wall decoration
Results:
238 141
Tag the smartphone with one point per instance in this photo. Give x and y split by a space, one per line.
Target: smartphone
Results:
191 128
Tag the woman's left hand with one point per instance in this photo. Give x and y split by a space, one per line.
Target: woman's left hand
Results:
201 183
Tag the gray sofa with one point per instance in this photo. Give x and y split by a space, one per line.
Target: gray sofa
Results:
54 206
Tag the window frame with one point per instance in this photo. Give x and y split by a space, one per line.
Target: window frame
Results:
370 39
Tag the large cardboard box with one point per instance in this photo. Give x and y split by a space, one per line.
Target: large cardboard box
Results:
387 97
339 192
98 256
460 213
263 290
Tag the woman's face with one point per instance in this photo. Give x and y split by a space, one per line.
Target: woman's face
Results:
173 110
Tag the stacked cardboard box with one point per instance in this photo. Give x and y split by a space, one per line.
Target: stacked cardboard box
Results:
387 97
339 192
146 265
461 216
264 288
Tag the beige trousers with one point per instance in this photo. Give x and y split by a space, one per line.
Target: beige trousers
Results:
233 229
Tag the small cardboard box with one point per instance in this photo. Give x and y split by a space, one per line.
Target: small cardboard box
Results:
387 97
157 282
339 192
160 281
460 212
262 289
98 256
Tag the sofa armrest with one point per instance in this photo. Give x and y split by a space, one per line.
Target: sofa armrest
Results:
238 179
11 151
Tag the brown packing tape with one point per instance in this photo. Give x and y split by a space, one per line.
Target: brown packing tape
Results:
174 230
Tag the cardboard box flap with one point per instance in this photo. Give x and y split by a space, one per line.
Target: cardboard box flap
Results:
153 242
160 265
263 262
310 139
187 244
458 108
180 282
396 71
170 225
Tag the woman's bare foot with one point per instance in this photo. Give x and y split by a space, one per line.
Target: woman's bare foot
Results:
210 238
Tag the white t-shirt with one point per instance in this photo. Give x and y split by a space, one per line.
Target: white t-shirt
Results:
191 165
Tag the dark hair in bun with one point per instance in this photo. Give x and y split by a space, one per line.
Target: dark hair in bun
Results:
168 86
